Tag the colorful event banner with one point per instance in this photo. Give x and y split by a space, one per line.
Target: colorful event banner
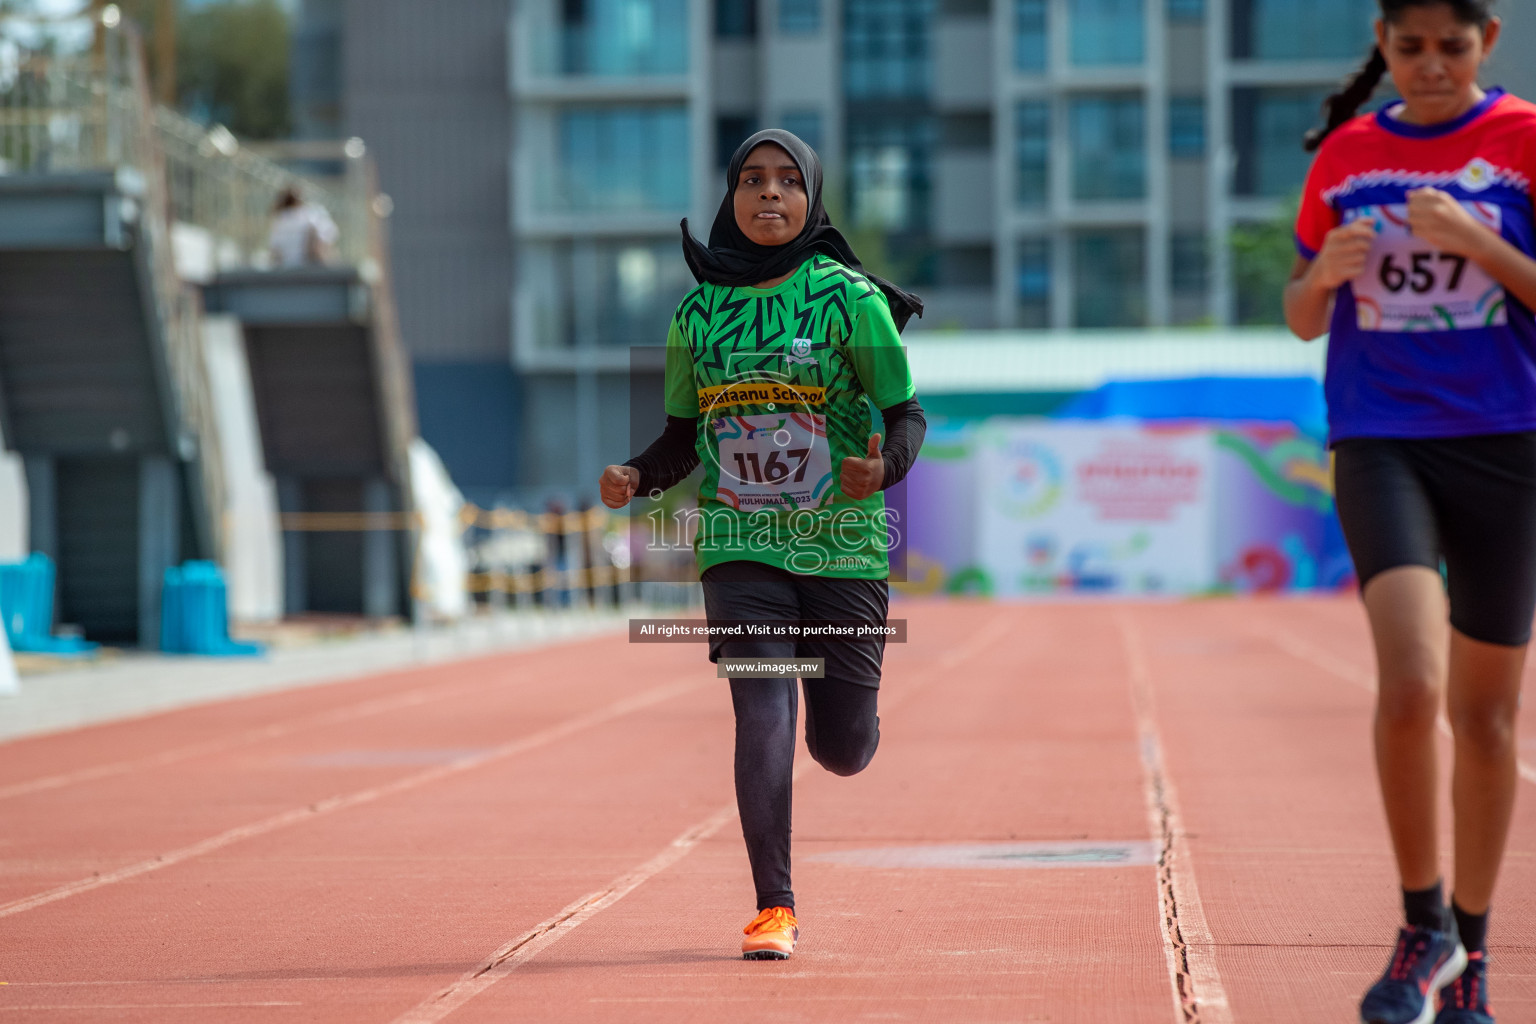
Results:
1028 507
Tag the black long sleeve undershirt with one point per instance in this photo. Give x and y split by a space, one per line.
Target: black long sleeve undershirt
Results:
905 428
674 455
670 458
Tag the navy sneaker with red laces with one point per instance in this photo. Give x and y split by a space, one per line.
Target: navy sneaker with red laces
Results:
1424 962
1465 1000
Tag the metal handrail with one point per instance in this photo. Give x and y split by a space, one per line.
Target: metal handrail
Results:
197 435
93 111
82 111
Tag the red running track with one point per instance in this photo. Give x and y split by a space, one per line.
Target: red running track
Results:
549 836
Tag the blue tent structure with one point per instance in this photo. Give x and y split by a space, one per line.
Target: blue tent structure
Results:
1297 400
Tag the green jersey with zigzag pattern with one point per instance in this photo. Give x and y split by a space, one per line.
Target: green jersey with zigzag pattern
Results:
781 380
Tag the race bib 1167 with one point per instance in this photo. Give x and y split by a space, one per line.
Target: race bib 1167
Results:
774 460
1408 285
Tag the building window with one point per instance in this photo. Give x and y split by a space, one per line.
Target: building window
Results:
1109 267
731 130
889 174
1302 29
806 124
735 19
799 17
1186 127
1034 283
965 266
1109 157
1186 10
1189 262
1032 148
1267 126
1030 39
967 132
885 48
620 37
1107 32
619 158
607 292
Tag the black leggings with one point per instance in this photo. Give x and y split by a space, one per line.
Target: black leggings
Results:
842 729
842 732
1470 501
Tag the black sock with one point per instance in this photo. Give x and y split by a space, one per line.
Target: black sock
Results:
1473 928
1425 908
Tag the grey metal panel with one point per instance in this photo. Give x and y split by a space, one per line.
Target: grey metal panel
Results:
1186 193
98 557
316 401
381 566
956 307
287 304
426 86
735 77
58 220
444 160
1186 59
290 499
159 544
76 367
963 206
42 505
407 45
318 296
452 298
334 559
549 428
799 73
442 157
962 55
1511 65
614 423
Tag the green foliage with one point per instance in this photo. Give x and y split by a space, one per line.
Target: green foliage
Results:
232 65
1263 253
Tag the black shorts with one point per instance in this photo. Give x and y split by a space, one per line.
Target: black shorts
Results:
1469 501
744 591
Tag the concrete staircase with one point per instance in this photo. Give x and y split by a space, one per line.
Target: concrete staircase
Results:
103 386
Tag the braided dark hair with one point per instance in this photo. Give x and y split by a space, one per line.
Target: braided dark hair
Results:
1345 103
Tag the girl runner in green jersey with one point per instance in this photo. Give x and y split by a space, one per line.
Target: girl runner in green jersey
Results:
772 363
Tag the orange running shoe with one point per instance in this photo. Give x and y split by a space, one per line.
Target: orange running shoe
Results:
771 935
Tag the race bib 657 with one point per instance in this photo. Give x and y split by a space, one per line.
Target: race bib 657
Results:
1408 285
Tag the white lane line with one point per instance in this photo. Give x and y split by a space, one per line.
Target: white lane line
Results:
1199 997
338 803
514 953
378 705
142 1006
1298 648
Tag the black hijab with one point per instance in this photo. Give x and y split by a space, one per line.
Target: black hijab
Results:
734 260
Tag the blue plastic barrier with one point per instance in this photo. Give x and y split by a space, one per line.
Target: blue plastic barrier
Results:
194 613
26 602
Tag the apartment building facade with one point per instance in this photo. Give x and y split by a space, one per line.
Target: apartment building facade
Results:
1020 163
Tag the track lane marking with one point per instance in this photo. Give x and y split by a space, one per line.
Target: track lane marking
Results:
377 705
1300 649
329 805
512 954
372 706
1199 997
145 1006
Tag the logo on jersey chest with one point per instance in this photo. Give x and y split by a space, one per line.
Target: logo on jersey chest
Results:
1476 176
800 351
